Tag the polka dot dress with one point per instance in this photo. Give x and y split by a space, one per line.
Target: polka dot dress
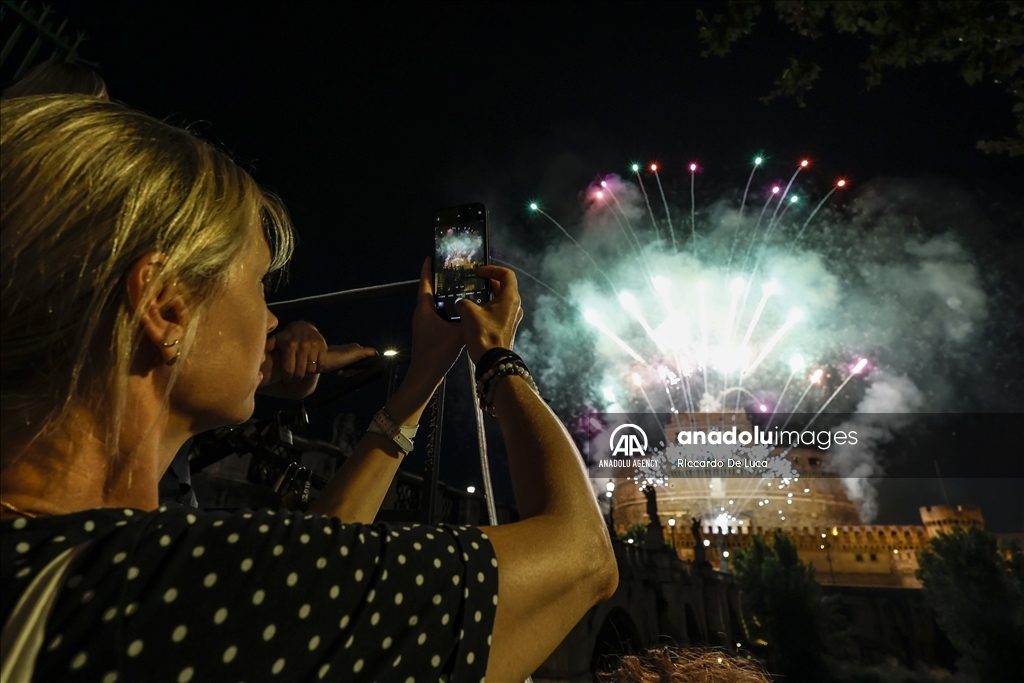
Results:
183 595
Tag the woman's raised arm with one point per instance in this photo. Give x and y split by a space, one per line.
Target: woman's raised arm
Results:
557 562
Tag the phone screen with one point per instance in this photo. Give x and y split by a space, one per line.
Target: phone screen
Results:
460 247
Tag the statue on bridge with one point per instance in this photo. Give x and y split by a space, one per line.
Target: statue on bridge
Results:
699 556
655 538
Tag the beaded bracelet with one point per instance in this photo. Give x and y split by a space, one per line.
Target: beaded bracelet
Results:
486 385
492 357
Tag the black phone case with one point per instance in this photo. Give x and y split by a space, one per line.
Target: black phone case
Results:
447 215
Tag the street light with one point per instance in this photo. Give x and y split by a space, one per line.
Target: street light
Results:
609 489
672 526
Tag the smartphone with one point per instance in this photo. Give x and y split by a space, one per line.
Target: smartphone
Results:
460 247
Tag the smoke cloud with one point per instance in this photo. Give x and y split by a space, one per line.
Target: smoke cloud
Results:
884 274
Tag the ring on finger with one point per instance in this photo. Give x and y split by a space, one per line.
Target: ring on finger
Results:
311 362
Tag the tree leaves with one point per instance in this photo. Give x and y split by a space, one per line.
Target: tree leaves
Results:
976 592
986 40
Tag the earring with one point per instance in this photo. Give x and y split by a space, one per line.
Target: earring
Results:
168 345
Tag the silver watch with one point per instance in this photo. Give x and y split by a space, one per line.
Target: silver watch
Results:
402 436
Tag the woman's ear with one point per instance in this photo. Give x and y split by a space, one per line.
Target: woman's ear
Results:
162 306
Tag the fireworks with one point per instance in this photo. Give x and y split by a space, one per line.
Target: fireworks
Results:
702 360
676 328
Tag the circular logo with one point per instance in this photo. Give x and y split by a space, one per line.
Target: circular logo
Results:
628 444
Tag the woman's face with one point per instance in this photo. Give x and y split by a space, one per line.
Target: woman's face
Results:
217 382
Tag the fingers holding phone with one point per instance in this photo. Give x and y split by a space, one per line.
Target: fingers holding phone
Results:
494 323
460 247
436 342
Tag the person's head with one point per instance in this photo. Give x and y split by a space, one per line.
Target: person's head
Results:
127 244
58 78
685 665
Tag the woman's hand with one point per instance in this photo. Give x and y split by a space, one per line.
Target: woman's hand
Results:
298 354
297 349
493 324
436 343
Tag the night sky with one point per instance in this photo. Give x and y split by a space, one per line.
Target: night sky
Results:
365 118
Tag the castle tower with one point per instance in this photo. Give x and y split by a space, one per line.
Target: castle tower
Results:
722 499
942 519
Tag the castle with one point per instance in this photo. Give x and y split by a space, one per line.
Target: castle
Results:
813 510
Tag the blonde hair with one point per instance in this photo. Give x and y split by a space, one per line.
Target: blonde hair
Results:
87 188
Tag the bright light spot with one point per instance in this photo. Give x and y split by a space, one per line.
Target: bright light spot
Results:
610 486
783 518
725 553
757 161
636 379
795 315
693 167
823 547
789 502
627 300
796 362
816 377
654 167
737 285
760 503
671 521
841 183
823 536
390 352
793 199
470 489
534 207
608 394
590 315
860 365
661 284
808 491
769 288
775 190
706 543
636 168
895 551
803 164
608 494
764 408
730 502
604 184
629 540
600 195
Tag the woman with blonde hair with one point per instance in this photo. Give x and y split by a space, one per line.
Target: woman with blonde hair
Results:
133 261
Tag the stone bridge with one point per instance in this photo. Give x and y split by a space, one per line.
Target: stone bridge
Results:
661 600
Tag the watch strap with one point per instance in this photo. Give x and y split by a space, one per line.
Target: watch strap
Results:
402 436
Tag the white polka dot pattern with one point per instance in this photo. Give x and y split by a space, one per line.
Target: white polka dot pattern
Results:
203 596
